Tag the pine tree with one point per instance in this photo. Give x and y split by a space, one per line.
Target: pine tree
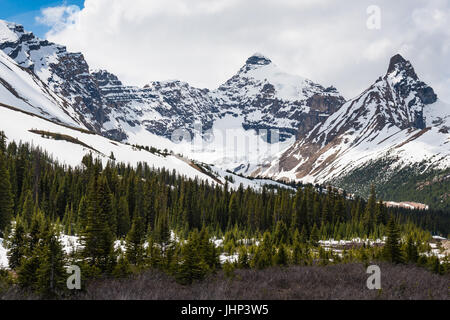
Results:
281 257
51 273
135 242
17 244
31 259
369 213
243 259
264 253
233 210
123 268
123 217
97 238
314 237
2 143
191 267
207 250
281 233
392 251
82 217
6 196
161 234
412 254
27 208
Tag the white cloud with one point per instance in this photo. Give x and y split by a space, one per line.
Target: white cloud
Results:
58 17
204 42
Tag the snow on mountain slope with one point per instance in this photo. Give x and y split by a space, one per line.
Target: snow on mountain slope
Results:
268 97
23 89
399 117
17 126
63 74
72 144
260 95
264 95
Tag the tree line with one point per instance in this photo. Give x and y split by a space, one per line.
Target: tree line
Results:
148 208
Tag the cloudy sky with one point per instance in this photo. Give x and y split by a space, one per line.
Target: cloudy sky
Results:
204 42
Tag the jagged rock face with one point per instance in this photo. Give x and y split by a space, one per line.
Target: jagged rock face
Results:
268 98
66 74
396 110
159 107
408 92
162 107
260 93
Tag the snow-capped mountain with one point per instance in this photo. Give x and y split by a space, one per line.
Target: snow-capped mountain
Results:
260 93
267 97
398 120
62 74
259 96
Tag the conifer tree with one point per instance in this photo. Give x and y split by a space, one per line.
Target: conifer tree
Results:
97 238
123 217
30 262
17 244
369 213
2 143
51 273
233 210
161 234
27 208
281 233
243 259
191 267
392 251
6 196
314 237
264 253
412 254
122 268
281 257
135 242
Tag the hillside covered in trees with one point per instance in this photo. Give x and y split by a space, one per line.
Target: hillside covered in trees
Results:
186 228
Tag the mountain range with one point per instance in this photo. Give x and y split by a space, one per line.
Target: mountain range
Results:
395 134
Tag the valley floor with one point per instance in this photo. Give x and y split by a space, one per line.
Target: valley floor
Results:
333 282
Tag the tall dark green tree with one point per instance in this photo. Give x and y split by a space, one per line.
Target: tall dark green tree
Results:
17 244
135 242
98 238
392 250
51 273
6 196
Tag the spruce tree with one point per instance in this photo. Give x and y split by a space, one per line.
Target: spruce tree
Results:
27 208
191 267
135 242
392 250
17 244
98 239
31 259
243 259
6 196
412 254
51 273
314 237
370 211
281 257
122 268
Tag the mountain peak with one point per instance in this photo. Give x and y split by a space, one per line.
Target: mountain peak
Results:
10 32
258 59
398 64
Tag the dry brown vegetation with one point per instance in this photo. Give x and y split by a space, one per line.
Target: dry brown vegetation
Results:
334 282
